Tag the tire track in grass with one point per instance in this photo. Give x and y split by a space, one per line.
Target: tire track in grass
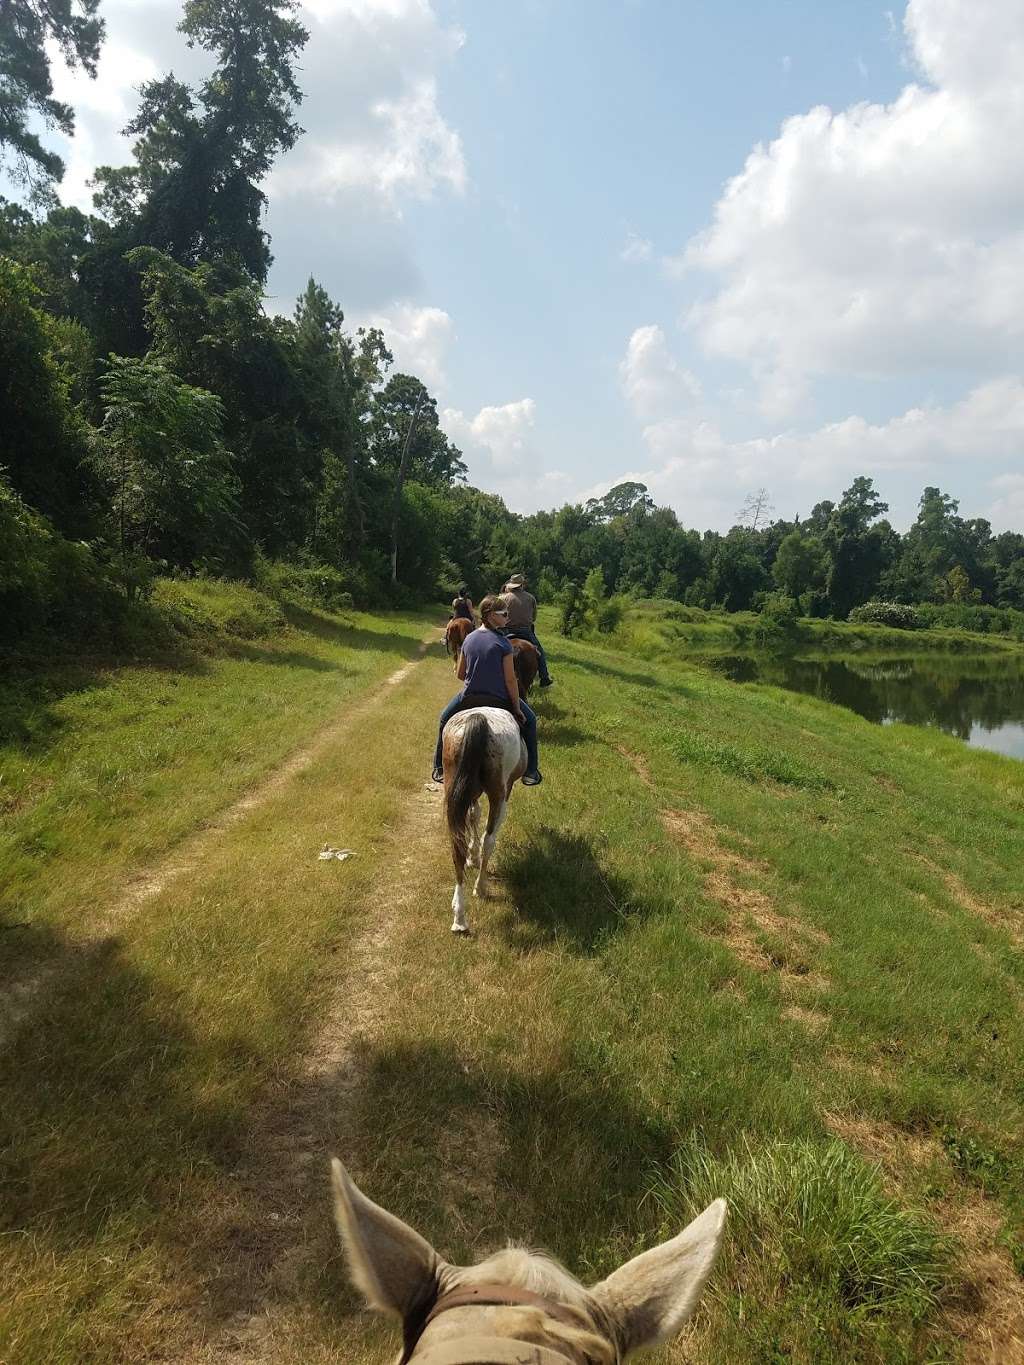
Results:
271 1233
26 995
274 1233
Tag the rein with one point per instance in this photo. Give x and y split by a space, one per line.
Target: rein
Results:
480 1349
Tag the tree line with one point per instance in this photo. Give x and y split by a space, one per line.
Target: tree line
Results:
155 419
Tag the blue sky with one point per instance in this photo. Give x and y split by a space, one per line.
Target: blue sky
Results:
712 246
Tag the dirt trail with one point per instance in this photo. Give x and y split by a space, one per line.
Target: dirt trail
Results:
25 994
272 1229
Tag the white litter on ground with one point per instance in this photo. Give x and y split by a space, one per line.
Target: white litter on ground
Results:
326 853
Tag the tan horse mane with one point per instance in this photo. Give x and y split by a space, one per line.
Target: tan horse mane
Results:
542 1274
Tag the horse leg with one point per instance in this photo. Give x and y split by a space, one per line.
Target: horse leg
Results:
474 841
459 925
497 809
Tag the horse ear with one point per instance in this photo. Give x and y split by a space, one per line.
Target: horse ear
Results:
650 1297
390 1264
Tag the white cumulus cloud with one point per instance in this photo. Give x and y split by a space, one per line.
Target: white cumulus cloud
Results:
419 339
654 381
884 238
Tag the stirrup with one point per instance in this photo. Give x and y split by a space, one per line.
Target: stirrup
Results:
437 774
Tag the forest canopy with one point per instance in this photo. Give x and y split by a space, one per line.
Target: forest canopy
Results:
156 419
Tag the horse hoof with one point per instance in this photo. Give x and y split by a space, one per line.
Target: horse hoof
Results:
460 928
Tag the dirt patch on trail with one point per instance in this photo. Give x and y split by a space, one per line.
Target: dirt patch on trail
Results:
750 909
987 1314
23 995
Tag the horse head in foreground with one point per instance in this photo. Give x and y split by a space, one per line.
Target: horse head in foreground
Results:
484 754
518 1306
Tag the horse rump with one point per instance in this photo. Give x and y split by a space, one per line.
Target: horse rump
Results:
466 784
526 663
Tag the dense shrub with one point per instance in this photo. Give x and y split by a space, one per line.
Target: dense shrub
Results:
895 614
204 609
778 626
310 584
973 616
49 585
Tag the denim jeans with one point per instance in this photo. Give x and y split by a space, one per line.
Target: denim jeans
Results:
528 633
529 729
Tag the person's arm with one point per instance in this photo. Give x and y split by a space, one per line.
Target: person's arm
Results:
512 685
533 610
460 671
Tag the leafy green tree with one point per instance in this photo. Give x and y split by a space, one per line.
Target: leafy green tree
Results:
956 586
26 86
201 156
800 565
735 573
859 551
43 437
620 501
173 492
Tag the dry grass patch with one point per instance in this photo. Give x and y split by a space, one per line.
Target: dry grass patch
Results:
760 937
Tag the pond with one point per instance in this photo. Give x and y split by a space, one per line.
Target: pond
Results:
980 700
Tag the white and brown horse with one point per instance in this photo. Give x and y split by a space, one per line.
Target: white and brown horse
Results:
484 754
519 1305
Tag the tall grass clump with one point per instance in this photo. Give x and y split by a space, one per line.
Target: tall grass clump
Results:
818 1264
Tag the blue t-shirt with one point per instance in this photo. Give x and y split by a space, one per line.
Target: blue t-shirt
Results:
483 652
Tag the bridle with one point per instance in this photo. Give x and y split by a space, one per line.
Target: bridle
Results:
482 1349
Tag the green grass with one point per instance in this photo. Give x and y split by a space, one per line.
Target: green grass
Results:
662 629
601 1058
105 766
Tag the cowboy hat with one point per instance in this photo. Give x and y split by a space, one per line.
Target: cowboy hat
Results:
517 580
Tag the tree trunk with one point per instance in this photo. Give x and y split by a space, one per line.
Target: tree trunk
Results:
399 485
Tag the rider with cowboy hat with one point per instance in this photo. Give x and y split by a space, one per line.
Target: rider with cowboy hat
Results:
522 614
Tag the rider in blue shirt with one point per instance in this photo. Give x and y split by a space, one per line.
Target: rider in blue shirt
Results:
486 667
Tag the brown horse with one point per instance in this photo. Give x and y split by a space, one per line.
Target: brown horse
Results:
455 636
518 1305
527 663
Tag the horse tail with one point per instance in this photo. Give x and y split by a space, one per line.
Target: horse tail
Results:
467 783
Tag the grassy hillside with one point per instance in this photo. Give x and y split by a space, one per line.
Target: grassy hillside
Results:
655 629
742 942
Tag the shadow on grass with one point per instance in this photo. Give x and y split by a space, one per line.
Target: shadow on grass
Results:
99 1113
30 689
562 894
287 658
627 677
336 632
470 1153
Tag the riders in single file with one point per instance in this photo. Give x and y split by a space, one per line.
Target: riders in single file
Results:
486 667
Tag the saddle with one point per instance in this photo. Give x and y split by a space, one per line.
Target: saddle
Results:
474 699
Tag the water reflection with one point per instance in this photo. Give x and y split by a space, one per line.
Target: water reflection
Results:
980 700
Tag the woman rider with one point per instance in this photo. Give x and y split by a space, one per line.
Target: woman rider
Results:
486 666
462 606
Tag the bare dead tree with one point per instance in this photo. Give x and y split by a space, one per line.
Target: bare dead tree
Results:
755 509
